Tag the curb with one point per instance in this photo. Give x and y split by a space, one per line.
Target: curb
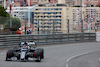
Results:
75 56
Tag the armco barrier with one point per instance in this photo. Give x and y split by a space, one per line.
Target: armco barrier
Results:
13 40
97 36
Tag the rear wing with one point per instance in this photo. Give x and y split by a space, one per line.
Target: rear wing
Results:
28 43
31 44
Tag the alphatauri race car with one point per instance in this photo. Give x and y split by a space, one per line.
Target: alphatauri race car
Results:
25 52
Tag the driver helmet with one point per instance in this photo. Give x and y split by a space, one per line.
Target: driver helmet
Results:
25 43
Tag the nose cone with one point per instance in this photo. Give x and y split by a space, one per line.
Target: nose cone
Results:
22 55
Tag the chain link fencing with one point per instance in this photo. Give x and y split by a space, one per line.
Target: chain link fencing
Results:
9 26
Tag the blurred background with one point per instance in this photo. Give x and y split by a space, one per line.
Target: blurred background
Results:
49 16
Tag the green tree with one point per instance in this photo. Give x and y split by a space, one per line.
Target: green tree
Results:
4 16
77 6
15 24
3 12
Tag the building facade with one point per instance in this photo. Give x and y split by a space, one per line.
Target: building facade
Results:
16 4
22 14
53 19
91 2
69 2
43 1
32 2
61 19
77 2
46 17
52 1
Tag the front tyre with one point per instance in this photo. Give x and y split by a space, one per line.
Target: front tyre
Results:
9 55
41 51
42 55
6 59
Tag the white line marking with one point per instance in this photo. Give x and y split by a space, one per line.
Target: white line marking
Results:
99 59
66 65
75 57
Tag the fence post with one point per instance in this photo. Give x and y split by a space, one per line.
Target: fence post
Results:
68 24
10 25
53 26
82 37
89 36
76 37
82 26
38 26
38 30
61 35
25 26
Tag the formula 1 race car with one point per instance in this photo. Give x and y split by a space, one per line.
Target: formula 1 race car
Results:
25 52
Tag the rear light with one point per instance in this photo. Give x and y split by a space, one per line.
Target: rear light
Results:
34 55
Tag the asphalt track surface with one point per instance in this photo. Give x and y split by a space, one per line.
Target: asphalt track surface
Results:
87 60
54 55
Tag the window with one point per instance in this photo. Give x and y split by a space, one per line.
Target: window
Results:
14 15
36 9
35 26
67 8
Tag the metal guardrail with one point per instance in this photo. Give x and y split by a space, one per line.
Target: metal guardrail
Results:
13 40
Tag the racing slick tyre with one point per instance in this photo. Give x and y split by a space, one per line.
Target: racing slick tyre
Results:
9 55
41 52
